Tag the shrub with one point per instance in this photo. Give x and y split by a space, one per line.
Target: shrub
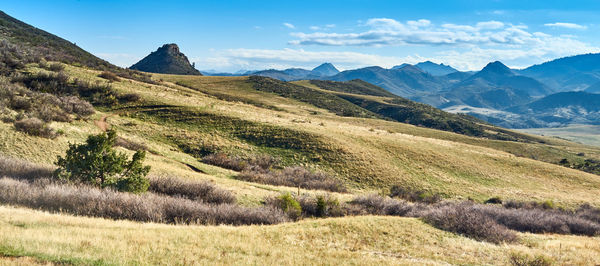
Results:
287 204
377 205
519 259
129 97
588 212
222 160
130 145
194 190
493 200
109 76
76 105
35 127
295 176
107 203
56 67
96 163
53 83
466 220
414 195
541 221
546 205
20 169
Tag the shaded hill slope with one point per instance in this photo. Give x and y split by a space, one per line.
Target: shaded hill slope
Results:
42 44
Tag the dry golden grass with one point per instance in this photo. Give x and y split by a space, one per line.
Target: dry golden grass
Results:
376 154
368 240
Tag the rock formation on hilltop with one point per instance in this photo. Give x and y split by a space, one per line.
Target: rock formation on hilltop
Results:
166 60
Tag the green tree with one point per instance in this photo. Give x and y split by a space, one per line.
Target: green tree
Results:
95 162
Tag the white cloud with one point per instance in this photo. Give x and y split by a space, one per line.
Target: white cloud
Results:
491 25
566 25
465 47
233 59
289 25
390 32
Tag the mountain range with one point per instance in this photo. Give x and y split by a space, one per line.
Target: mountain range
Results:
496 94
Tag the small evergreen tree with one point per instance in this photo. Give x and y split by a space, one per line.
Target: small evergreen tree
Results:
95 162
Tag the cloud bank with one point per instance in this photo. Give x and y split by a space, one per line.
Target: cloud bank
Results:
463 46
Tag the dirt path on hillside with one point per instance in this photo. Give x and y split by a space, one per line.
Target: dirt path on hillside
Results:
102 124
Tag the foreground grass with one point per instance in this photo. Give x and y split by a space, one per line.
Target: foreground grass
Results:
34 236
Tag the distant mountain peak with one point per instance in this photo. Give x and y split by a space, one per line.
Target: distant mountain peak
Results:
167 59
401 66
411 68
435 69
497 67
325 70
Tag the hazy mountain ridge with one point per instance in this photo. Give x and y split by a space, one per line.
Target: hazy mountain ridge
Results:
568 73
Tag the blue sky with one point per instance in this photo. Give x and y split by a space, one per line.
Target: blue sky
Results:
234 35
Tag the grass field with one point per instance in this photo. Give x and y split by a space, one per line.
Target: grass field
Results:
32 236
180 123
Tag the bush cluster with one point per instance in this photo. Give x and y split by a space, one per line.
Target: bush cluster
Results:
20 103
414 195
265 169
107 203
295 176
109 76
194 190
21 169
13 57
35 127
469 221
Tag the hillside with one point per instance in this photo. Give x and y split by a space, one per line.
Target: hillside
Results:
167 59
564 108
42 44
568 73
496 87
291 74
407 81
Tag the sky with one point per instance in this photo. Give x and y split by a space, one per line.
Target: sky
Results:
251 35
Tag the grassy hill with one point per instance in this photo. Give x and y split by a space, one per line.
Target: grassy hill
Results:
180 124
